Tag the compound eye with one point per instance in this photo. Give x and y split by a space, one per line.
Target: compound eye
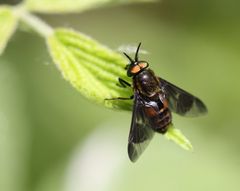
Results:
143 65
135 69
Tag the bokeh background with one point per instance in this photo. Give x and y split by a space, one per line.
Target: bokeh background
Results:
52 139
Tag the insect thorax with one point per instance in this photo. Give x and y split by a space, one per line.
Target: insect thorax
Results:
147 83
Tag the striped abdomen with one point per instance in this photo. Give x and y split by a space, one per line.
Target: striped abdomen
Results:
159 116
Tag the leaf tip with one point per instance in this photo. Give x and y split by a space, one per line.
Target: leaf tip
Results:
177 136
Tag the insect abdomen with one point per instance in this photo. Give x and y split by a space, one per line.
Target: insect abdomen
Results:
162 121
159 119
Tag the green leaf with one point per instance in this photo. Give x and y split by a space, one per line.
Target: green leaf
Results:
177 136
63 6
90 67
8 23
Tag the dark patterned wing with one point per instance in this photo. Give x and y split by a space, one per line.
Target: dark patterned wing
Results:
140 132
182 102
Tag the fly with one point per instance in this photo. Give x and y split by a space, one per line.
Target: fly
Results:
154 100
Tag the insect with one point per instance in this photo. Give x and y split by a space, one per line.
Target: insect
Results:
154 100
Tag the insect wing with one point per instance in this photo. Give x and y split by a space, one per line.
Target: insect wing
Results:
140 132
182 102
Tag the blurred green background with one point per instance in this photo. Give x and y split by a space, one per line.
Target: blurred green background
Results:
52 139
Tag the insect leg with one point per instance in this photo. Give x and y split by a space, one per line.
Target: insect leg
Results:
123 83
126 67
120 98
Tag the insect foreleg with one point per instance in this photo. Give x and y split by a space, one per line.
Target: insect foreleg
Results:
123 83
120 98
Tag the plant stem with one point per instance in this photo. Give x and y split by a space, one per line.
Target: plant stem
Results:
34 22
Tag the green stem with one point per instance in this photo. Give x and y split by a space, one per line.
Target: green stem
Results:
34 22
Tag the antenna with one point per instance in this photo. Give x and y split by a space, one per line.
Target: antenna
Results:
129 58
136 55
